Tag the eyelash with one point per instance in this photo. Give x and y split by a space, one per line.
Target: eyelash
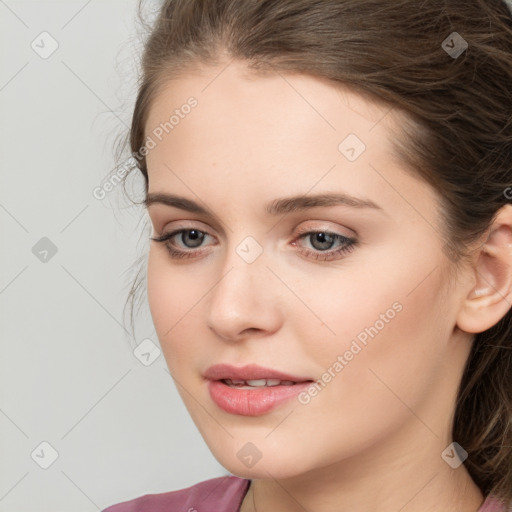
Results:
349 245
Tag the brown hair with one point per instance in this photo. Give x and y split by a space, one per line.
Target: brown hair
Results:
457 135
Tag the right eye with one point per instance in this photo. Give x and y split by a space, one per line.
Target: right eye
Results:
190 237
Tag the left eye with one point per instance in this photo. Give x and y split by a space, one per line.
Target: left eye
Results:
324 239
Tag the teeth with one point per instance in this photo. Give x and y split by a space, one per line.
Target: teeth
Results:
258 383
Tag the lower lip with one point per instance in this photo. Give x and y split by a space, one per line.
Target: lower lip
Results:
252 402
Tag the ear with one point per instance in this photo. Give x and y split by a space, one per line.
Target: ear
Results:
489 300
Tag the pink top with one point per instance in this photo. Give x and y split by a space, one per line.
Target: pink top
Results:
222 494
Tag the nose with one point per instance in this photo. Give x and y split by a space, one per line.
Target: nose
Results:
244 301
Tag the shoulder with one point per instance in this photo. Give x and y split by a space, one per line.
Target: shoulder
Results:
222 494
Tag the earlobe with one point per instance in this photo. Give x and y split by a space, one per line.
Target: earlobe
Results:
490 297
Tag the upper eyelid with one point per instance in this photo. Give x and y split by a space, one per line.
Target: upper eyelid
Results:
301 230
195 222
175 230
217 225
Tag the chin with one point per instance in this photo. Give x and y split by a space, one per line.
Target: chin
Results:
275 465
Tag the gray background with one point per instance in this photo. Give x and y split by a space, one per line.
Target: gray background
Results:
68 373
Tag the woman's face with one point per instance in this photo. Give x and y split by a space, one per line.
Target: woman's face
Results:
351 294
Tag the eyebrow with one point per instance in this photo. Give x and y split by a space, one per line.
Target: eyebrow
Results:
277 207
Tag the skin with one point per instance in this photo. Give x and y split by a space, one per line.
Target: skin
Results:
372 438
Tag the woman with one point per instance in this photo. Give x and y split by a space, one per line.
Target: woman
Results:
330 273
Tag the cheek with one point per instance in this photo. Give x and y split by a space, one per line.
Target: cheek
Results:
168 298
174 299
391 330
379 299
159 284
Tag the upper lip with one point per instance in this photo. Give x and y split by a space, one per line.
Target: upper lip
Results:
248 372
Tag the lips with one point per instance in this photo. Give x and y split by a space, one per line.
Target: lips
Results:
249 372
251 390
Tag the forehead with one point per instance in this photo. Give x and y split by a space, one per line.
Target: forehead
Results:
253 135
246 95
261 117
